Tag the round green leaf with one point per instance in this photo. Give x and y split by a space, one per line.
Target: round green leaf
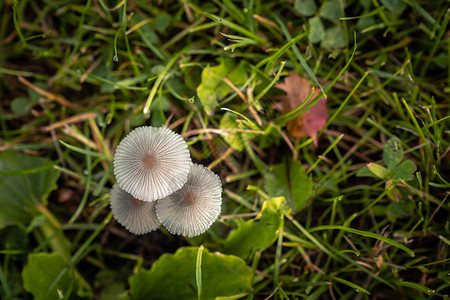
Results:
172 276
305 7
192 77
380 171
334 38
45 278
234 139
317 30
332 10
290 181
396 6
25 181
397 210
404 171
161 22
21 106
365 23
258 233
393 152
213 87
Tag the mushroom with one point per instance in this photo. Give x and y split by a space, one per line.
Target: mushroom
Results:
138 216
150 163
191 210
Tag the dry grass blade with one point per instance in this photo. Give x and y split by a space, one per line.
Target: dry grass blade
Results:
50 96
71 120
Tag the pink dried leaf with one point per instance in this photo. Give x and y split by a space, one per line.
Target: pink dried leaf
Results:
297 91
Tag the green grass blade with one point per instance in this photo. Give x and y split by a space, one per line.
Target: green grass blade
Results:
160 78
325 153
236 27
300 57
415 286
5 285
87 190
87 152
338 111
274 57
421 11
347 65
28 171
311 237
198 272
16 22
281 120
277 264
237 12
419 130
269 86
366 234
436 43
356 287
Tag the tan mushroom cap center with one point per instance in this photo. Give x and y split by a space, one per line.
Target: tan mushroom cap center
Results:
149 161
137 202
189 198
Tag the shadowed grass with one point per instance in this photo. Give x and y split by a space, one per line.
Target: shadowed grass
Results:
76 76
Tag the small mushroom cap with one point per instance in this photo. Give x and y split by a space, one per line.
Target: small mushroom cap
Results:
150 163
191 210
138 216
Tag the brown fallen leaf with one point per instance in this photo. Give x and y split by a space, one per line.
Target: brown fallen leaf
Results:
307 125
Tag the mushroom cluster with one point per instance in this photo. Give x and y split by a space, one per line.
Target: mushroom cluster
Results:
157 183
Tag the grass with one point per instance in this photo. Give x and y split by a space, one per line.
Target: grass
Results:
76 76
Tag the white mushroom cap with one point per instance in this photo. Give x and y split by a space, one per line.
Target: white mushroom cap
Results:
138 216
152 162
191 210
